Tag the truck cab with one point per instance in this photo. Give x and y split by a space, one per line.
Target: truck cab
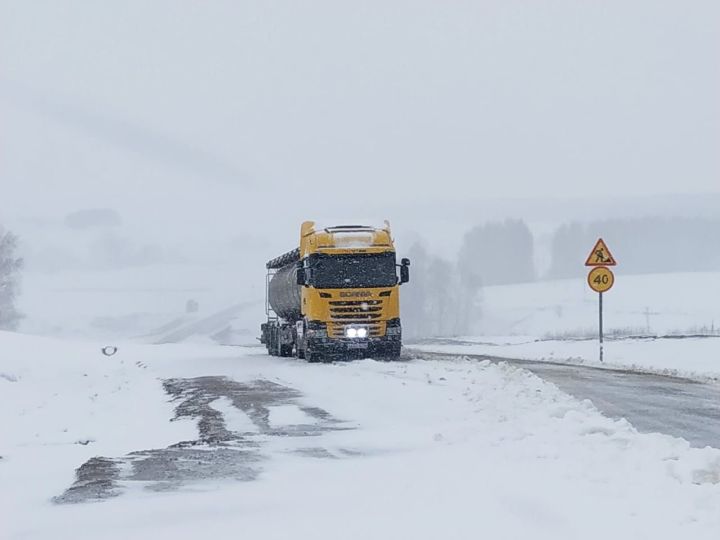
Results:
346 302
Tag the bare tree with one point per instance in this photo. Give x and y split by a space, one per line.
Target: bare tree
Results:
438 301
10 266
414 299
469 301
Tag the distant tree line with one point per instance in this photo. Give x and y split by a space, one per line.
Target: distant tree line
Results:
445 298
643 245
498 253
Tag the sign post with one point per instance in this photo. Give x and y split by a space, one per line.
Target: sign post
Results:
600 279
600 324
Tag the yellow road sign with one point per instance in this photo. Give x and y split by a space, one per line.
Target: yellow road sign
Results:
600 255
601 279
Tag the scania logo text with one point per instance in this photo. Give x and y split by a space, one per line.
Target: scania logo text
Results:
355 294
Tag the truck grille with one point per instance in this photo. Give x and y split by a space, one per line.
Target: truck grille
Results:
356 312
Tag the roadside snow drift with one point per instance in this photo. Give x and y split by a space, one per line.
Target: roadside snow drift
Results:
690 357
424 449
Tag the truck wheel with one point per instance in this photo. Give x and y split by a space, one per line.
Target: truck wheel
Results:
312 357
272 346
274 343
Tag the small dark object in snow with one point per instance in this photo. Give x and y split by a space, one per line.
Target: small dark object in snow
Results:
84 442
109 350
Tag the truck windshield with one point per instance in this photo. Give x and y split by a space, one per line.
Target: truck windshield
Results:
357 270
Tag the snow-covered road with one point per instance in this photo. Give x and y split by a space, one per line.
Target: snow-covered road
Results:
652 403
189 441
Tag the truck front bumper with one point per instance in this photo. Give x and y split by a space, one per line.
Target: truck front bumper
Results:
353 347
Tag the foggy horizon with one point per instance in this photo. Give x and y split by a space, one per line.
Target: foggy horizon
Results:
205 135
492 100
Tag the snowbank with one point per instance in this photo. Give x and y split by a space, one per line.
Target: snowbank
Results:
696 358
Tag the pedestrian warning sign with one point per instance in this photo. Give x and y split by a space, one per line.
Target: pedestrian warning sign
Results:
600 255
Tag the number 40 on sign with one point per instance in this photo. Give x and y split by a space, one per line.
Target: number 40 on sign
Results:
601 279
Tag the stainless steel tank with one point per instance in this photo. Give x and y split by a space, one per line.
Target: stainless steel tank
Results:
284 293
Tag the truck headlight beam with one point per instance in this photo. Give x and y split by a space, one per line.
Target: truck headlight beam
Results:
353 332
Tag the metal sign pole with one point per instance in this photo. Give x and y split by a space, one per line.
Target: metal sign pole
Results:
601 327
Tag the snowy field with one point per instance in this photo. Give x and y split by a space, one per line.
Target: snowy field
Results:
653 304
420 449
144 304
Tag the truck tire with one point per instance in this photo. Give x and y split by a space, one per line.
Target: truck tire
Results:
272 344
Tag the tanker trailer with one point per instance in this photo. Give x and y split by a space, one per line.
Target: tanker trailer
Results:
335 296
282 304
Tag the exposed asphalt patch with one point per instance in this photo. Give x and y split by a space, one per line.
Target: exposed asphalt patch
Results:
217 453
96 479
171 468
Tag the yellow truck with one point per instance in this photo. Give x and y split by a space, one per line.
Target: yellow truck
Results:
336 295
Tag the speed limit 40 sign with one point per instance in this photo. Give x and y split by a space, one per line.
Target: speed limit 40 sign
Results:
601 279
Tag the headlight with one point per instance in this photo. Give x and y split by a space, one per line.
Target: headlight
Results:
393 331
356 332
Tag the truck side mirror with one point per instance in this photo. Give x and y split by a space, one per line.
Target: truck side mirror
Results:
301 277
404 270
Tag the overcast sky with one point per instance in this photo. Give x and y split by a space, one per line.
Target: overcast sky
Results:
239 107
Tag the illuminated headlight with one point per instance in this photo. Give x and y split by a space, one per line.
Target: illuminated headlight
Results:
356 332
